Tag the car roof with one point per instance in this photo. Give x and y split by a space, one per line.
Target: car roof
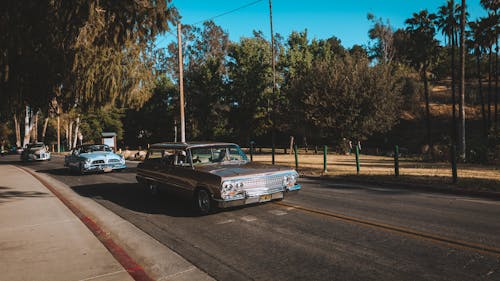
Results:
185 145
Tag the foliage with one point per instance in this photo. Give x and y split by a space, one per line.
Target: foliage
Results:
155 120
349 98
102 120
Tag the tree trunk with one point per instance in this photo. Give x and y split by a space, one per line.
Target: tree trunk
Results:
17 129
462 82
496 87
481 96
28 126
453 93
75 138
67 134
427 111
490 79
44 130
34 129
70 135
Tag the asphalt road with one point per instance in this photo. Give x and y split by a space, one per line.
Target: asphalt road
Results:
329 231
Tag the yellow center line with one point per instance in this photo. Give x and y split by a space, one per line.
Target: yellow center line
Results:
465 245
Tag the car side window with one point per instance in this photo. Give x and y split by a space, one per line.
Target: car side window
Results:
182 158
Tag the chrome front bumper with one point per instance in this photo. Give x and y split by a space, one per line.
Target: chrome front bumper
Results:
103 167
257 196
39 157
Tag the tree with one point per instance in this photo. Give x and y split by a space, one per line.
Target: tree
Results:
250 78
461 113
382 33
447 21
77 52
347 98
493 6
205 84
479 43
421 53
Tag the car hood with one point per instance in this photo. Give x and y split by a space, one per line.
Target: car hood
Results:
242 170
99 155
37 149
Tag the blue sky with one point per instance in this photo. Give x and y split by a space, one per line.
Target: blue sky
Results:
345 20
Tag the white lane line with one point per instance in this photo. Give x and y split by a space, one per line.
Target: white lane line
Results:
225 221
480 201
103 275
278 212
249 218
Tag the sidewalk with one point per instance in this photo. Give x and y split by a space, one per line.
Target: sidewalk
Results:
41 239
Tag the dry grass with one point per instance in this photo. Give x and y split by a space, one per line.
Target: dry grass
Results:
379 168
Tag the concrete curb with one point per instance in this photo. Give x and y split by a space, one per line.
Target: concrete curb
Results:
158 261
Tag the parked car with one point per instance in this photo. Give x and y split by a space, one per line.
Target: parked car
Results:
213 175
94 158
35 152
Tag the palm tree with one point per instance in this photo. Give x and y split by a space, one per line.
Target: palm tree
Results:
422 52
489 40
494 7
478 42
447 21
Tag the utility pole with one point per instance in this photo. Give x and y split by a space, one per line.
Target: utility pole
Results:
273 63
181 84
461 112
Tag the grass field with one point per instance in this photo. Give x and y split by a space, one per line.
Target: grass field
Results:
381 169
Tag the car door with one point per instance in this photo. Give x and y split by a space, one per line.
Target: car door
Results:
181 173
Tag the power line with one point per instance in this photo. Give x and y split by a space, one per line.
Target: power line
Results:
228 12
214 17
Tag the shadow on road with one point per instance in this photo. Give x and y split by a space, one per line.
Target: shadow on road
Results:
134 197
9 195
67 172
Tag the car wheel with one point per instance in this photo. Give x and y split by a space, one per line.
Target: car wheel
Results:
203 202
152 188
80 169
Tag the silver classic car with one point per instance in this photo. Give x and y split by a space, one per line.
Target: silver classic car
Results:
35 152
213 175
94 158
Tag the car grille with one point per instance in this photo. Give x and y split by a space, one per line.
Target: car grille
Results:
98 162
264 185
268 181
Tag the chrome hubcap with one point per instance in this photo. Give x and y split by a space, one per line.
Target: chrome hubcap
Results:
203 201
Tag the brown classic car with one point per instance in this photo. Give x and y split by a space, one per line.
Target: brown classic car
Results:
213 175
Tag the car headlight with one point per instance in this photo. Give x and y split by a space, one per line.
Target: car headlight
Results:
290 179
88 160
232 189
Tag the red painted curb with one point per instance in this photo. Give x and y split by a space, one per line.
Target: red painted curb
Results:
133 268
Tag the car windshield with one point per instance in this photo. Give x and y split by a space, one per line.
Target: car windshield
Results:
95 147
217 155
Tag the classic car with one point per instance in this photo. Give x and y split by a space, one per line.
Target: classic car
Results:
213 175
35 152
94 158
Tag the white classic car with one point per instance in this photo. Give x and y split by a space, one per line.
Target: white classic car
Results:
35 152
94 158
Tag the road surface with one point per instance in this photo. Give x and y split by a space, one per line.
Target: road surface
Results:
329 231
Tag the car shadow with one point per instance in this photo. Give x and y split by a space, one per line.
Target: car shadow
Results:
67 172
134 197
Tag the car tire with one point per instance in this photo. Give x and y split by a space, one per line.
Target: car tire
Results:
80 169
203 202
